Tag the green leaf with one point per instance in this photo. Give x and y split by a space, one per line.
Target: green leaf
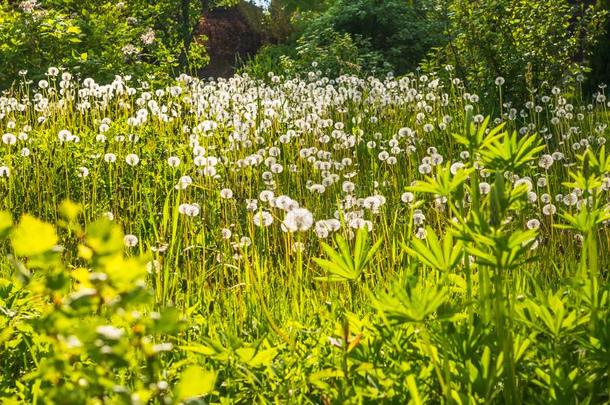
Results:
195 382
33 237
6 222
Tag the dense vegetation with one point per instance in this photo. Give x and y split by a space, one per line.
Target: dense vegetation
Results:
348 220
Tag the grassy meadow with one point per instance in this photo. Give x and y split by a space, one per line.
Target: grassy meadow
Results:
302 240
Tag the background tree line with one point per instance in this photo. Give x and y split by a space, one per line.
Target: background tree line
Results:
529 43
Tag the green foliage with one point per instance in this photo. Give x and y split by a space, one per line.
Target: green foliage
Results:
471 269
360 37
345 265
101 38
528 43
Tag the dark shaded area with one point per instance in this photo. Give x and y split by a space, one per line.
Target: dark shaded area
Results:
233 34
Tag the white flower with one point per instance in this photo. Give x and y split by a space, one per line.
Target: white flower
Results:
484 187
262 218
533 224
407 197
132 159
9 139
5 171
546 161
148 37
418 217
110 158
298 220
226 193
130 240
183 183
549 209
190 210
499 81
173 161
65 136
109 332
83 172
455 167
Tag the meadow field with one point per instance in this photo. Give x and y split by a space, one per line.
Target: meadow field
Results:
303 240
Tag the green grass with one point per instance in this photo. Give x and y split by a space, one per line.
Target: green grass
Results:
467 305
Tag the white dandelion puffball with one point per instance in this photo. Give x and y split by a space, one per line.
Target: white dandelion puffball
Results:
132 159
65 135
183 183
130 240
173 161
226 193
263 219
298 220
109 158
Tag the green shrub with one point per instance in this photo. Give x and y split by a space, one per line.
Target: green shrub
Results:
363 37
529 43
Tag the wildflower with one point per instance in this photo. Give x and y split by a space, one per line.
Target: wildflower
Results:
130 240
110 158
190 210
266 195
484 187
183 183
359 223
129 50
549 209
65 135
9 139
5 171
499 81
226 233
173 161
425 168
109 332
148 37
226 193
348 187
83 172
533 224
298 220
407 197
455 167
263 219
132 159
546 161
418 217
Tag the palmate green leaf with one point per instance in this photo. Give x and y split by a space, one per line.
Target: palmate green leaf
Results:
478 137
580 181
510 153
444 183
440 257
6 222
415 305
195 382
335 272
586 220
345 265
33 237
346 254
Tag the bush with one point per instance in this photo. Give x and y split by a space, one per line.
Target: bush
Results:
526 42
363 36
99 38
